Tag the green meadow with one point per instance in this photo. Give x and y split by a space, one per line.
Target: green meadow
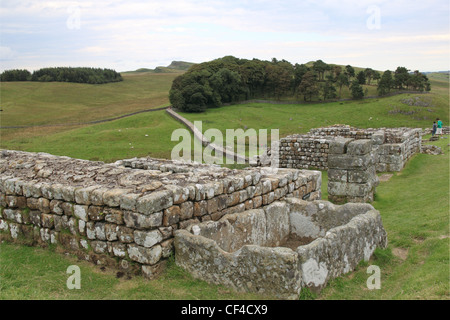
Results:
414 204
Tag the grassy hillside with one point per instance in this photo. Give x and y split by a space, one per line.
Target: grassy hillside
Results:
30 103
105 141
174 67
54 103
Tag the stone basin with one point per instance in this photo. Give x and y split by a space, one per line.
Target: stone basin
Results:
283 247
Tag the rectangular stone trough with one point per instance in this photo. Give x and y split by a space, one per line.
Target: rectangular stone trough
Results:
281 248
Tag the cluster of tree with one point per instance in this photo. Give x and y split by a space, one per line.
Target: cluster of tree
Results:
15 75
402 79
64 74
230 79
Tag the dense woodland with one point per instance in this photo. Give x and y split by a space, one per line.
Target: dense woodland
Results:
64 74
230 79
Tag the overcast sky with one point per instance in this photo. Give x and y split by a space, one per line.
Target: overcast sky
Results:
127 35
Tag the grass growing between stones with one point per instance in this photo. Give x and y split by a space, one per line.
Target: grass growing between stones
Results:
414 206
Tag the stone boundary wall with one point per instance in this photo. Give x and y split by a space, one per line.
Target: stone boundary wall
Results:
205 142
122 216
303 152
392 147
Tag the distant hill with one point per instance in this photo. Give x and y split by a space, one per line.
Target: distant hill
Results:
174 67
439 76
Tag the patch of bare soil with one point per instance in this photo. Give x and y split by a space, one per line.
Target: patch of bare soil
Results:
401 253
385 177
293 242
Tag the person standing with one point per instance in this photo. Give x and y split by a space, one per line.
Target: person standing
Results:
439 127
434 129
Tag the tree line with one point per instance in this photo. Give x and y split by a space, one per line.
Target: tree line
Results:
63 74
230 79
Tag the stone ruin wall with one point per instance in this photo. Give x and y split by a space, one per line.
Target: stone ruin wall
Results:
283 247
351 171
125 214
393 147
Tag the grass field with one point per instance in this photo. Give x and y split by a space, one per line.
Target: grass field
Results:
55 103
105 142
414 204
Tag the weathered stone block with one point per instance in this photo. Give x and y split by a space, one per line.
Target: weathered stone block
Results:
68 193
96 213
180 194
339 145
125 234
339 175
35 218
81 212
83 195
359 147
212 205
167 248
277 220
100 232
154 202
118 249
186 210
44 205
111 231
16 201
68 208
147 238
112 197
68 241
96 196
114 216
141 221
90 230
128 201
144 255
56 207
171 216
100 247
48 220
350 161
349 189
200 208
360 176
13 214
33 203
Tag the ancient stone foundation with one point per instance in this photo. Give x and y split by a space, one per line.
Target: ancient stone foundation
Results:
351 171
125 214
392 147
281 248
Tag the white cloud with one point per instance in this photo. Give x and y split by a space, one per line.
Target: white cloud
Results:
6 53
126 34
